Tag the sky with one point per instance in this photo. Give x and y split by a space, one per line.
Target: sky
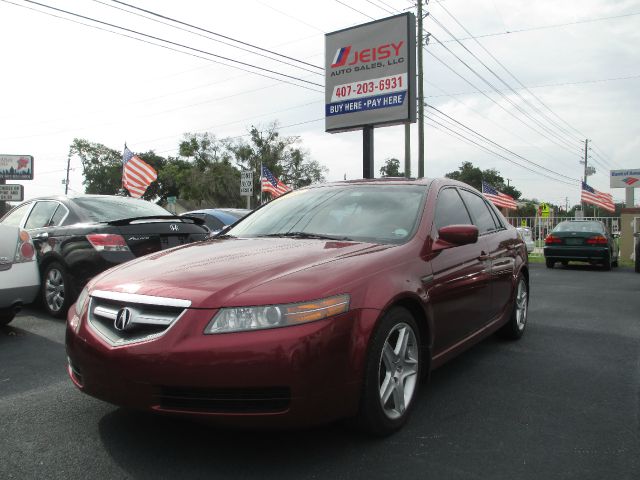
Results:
67 77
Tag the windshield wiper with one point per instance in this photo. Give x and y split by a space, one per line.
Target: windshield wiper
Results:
317 236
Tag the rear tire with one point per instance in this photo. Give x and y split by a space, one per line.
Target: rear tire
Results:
550 263
392 374
6 317
514 328
606 263
56 290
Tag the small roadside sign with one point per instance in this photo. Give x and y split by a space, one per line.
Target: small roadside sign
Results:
544 210
246 183
11 193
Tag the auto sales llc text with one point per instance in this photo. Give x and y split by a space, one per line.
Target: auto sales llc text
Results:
368 66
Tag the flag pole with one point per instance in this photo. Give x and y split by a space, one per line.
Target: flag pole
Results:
260 179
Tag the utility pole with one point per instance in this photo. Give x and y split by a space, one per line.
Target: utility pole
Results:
420 94
407 150
586 156
66 182
508 180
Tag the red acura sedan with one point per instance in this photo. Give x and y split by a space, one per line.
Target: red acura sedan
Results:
331 301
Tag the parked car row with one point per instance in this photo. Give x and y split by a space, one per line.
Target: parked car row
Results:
77 237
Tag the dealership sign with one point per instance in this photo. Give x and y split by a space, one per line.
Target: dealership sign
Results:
371 74
16 167
629 178
11 193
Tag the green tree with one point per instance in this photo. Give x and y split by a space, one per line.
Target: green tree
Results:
281 155
391 168
210 178
101 166
474 176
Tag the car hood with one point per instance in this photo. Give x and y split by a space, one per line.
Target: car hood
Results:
216 273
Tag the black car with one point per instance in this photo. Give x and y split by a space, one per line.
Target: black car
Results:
77 237
581 241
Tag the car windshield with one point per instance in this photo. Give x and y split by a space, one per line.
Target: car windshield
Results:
579 227
367 213
108 209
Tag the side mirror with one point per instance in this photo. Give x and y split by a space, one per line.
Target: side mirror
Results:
455 236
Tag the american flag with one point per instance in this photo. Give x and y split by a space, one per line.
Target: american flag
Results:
271 184
499 199
599 199
137 174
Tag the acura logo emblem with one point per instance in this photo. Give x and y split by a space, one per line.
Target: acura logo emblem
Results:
123 319
173 227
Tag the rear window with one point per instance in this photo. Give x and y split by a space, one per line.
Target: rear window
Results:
108 209
579 227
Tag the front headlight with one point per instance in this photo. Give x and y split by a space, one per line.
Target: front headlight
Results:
82 299
272 316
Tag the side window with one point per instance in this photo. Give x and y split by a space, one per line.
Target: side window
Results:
41 214
58 216
496 216
479 211
15 217
450 210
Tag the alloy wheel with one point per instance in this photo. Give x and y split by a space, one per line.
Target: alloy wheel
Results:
54 289
521 304
397 371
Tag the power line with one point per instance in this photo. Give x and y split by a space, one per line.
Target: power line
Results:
185 46
209 38
491 99
511 102
541 27
440 126
226 37
497 144
547 85
355 9
516 79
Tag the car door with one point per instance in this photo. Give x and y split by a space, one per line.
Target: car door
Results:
460 292
499 246
39 223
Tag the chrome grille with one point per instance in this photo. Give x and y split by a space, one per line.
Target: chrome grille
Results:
147 317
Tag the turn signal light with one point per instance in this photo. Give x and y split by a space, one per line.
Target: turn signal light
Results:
551 240
597 240
108 242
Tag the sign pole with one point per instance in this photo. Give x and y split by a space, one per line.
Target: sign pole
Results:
367 152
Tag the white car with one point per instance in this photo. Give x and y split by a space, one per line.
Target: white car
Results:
19 276
527 236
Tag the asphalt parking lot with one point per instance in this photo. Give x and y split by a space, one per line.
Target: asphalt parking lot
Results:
564 402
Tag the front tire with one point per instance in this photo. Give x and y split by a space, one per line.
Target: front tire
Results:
56 290
392 374
514 328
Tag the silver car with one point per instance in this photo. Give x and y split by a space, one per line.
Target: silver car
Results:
527 236
19 276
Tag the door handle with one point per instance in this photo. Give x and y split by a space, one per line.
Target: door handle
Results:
41 236
484 256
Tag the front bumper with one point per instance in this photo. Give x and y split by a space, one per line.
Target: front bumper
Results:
291 376
579 253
